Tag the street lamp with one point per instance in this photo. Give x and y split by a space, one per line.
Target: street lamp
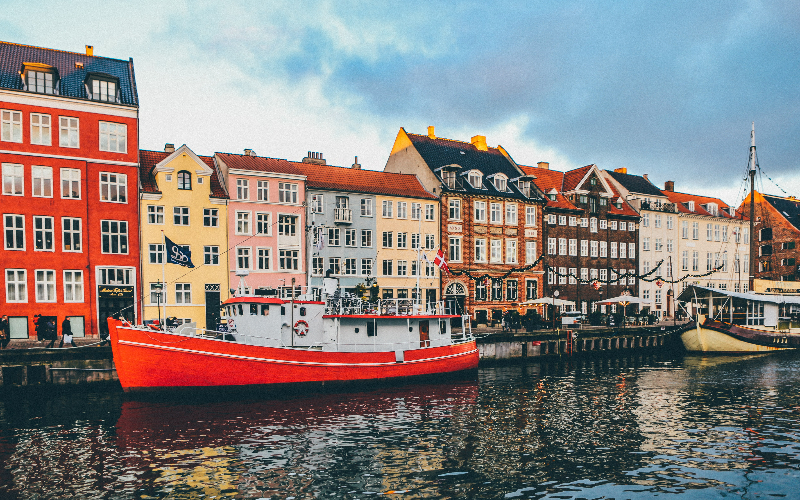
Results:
555 295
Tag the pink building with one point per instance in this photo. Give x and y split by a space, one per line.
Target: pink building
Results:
266 221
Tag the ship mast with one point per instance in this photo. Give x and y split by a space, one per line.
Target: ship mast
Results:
752 172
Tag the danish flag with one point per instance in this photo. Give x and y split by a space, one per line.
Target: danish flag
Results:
439 261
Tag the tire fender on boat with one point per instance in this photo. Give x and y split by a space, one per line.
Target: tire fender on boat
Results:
301 327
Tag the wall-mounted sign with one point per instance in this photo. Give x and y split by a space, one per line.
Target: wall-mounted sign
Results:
454 228
115 291
530 233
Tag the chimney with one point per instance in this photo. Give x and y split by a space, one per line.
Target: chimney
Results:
479 141
249 152
169 148
621 170
431 133
669 186
645 177
543 164
316 158
356 165
90 50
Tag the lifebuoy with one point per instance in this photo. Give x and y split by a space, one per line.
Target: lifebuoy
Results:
301 327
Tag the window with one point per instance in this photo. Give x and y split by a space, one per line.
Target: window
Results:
562 246
402 210
45 285
497 289
70 183
670 245
593 225
211 255
317 266
104 90
402 240
511 251
475 179
646 244
289 259
16 285
68 132
500 183
613 249
71 234
415 241
612 224
388 239
551 246
210 217
603 248
511 290
402 268
262 259
366 267
387 267
156 295
530 216
43 233
287 192
480 211
657 221
622 252
725 234
113 137
658 246
40 129
496 213
695 261
695 230
366 238
11 125
350 238
287 225
562 220
709 232
496 255
366 207
13 179
562 275
242 257
73 286
573 247
430 214
603 224
263 225
480 250
430 241
156 253
155 214
511 214
184 180
242 189
551 219
14 231
454 213
242 222
709 261
113 187
593 246
317 203
584 248
334 237
262 190
114 235
180 216
480 290
645 219
530 252
685 230
183 293
454 249
573 276
531 289
350 266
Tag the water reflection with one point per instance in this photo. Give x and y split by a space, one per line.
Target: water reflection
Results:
618 427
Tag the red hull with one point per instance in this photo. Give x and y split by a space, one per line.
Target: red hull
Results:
148 360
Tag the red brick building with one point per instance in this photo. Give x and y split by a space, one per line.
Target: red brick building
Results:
589 236
491 218
776 231
69 152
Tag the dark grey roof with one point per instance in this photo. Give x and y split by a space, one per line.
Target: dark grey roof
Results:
440 152
12 57
788 208
635 183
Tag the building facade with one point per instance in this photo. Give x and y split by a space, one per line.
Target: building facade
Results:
590 234
776 229
182 198
68 150
266 222
490 221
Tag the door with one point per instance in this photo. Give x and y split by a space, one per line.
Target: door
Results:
424 334
212 309
114 301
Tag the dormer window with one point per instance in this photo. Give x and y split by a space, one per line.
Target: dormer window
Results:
593 181
476 179
500 183
449 178
525 188
184 180
712 209
41 78
552 194
690 206
101 87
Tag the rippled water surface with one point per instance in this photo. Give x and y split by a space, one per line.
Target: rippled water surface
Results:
715 427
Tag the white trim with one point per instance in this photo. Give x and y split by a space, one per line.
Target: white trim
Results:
77 158
272 175
70 103
150 196
204 169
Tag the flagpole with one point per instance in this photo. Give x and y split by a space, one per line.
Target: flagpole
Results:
163 278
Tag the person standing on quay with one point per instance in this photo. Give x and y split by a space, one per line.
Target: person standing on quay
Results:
5 332
66 333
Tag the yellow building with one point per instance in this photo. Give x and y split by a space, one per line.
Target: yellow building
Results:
407 228
182 198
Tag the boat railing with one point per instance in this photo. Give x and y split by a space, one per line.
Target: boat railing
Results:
354 305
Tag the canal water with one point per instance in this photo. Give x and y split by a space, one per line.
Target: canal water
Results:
636 427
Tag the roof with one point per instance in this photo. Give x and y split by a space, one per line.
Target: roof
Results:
333 178
787 207
702 293
681 201
147 181
261 164
438 152
635 183
72 77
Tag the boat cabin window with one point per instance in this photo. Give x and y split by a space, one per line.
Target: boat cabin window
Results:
302 311
442 326
755 313
253 309
241 310
283 310
372 328
265 309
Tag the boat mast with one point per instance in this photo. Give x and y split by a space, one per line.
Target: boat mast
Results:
752 173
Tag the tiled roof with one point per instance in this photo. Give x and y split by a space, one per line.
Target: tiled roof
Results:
440 152
635 183
573 177
147 181
363 181
261 164
789 208
681 200
72 77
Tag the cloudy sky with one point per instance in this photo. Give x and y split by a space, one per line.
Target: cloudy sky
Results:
663 88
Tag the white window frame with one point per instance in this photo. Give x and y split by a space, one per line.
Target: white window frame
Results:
68 233
182 214
263 254
244 256
496 251
119 235
73 286
183 291
530 215
366 207
430 211
116 182
402 210
511 251
69 132
154 214
511 214
49 286
530 252
155 253
41 129
20 286
242 189
243 222
10 125
262 191
454 249
15 232
212 216
113 137
495 213
70 178
287 192
480 250
45 231
479 211
209 254
16 172
263 225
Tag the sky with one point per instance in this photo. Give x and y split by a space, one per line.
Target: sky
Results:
668 89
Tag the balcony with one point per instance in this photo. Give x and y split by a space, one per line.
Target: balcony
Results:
342 216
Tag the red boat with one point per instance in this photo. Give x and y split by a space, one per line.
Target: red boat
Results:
273 341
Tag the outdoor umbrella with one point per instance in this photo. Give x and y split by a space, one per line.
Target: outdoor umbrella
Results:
549 300
624 300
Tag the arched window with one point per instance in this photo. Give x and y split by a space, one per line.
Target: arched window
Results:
184 180
500 182
476 179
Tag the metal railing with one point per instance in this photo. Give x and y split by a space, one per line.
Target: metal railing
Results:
342 215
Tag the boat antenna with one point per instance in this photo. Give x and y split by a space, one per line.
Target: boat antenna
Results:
752 165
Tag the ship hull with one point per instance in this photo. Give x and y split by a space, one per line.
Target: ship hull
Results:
714 336
148 360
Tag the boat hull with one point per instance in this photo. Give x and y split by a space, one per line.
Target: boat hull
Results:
148 360
714 336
